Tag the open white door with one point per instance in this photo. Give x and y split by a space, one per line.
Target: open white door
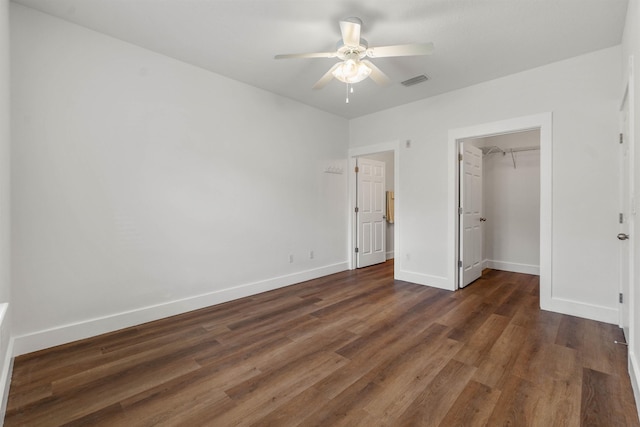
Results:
370 212
470 214
625 220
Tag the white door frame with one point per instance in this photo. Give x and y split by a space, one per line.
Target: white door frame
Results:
543 122
352 225
629 97
626 162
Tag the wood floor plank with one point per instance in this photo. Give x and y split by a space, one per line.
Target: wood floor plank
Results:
430 408
495 369
263 394
517 404
400 391
473 407
356 348
345 406
560 401
130 364
601 404
293 412
538 361
483 339
82 402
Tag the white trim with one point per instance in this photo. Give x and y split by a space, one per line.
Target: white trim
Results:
423 279
634 366
91 327
5 379
390 254
581 309
351 226
543 122
630 92
634 374
512 266
7 358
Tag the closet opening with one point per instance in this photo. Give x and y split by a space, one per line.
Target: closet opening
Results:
499 204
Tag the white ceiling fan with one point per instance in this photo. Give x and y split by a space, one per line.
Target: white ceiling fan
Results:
352 51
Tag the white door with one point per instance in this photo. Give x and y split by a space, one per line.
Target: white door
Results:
470 214
371 211
625 221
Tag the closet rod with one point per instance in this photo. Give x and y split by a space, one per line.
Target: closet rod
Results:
495 149
514 150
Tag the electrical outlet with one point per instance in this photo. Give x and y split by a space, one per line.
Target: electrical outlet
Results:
310 254
290 258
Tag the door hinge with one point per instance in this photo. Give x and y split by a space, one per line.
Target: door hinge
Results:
459 157
620 298
357 169
356 209
621 218
459 210
357 250
459 263
621 138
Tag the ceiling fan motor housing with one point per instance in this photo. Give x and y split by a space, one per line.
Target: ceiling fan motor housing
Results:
346 52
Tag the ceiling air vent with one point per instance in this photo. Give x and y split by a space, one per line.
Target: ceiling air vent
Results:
415 80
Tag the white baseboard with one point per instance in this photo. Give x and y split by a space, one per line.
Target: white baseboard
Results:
634 374
91 327
425 279
555 304
6 357
5 379
512 266
580 309
390 255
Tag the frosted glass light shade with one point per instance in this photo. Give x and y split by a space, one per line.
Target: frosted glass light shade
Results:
351 71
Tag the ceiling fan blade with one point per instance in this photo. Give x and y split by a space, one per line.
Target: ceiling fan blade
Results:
377 75
307 55
350 29
326 78
401 50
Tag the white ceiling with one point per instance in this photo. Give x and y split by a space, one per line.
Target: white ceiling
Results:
476 40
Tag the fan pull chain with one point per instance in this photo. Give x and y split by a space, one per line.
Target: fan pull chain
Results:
349 90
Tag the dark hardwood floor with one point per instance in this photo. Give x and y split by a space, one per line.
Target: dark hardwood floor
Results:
355 348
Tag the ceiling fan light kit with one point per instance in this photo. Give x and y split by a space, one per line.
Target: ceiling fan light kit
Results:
352 50
351 71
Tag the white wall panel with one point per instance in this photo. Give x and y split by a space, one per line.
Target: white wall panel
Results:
583 93
631 74
5 211
142 183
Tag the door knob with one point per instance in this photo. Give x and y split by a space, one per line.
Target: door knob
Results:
483 219
623 236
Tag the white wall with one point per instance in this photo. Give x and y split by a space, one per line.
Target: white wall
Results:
145 187
511 203
5 229
583 95
631 57
387 158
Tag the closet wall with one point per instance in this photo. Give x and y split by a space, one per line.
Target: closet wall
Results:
387 158
511 203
